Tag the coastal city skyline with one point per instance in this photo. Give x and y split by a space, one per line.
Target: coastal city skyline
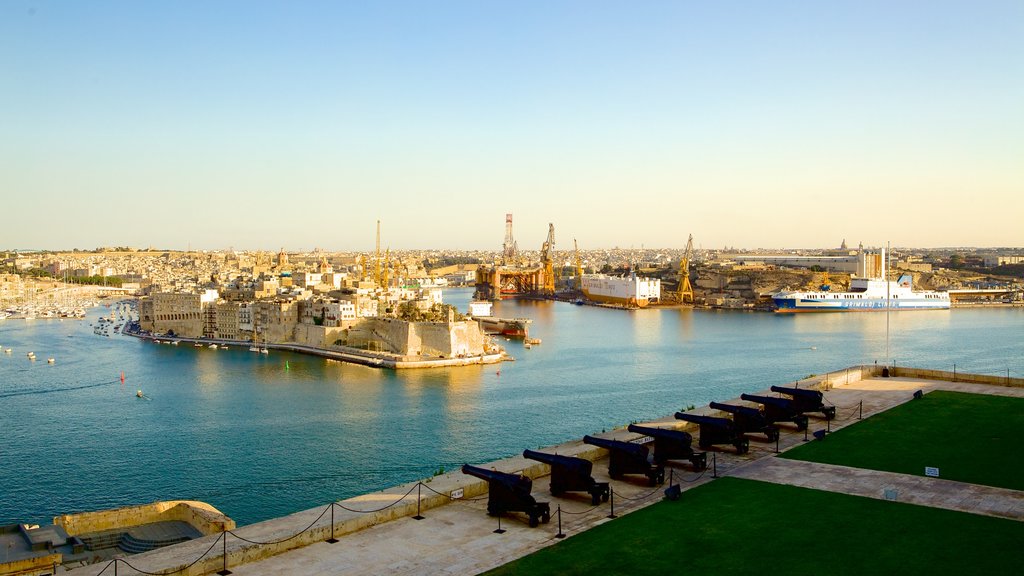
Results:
261 126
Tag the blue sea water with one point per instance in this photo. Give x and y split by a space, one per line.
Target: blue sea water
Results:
258 440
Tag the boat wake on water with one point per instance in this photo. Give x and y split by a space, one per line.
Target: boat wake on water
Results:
53 390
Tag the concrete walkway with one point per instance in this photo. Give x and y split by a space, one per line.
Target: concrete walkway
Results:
933 492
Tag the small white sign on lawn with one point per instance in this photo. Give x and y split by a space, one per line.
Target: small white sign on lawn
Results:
931 471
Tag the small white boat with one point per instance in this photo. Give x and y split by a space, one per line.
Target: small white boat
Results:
264 351
253 349
50 360
197 345
213 346
139 394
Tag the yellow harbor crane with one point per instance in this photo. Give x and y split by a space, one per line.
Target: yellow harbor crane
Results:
547 259
684 293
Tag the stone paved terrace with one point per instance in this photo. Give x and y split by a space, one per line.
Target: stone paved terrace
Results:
458 537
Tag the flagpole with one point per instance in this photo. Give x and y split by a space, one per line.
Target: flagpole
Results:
888 302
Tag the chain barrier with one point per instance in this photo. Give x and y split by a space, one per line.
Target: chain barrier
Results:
580 512
697 477
182 569
292 537
379 509
644 497
448 496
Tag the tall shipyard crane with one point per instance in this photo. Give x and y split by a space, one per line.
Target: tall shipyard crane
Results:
684 293
547 254
509 249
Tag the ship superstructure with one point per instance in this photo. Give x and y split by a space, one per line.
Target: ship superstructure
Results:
869 291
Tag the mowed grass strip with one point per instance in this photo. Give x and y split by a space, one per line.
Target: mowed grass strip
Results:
974 438
736 526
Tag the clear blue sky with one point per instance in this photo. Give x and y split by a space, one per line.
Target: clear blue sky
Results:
299 124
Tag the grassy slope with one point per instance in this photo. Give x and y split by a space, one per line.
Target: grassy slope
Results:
971 438
734 526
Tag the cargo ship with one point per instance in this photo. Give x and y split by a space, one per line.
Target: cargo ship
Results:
867 293
629 291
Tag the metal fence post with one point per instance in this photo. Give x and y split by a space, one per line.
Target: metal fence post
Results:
224 535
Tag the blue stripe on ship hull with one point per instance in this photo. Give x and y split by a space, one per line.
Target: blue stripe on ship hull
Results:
816 305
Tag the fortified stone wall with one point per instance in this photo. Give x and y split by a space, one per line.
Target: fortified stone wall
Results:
199 515
318 336
446 339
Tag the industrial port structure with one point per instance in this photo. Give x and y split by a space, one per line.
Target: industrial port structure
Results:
511 276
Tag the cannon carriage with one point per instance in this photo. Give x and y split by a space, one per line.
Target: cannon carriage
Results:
510 493
777 409
806 400
749 420
629 458
571 474
715 430
672 445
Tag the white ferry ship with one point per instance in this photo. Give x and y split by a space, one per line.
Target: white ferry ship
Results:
630 291
866 293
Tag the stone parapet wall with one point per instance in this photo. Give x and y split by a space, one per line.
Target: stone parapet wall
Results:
199 515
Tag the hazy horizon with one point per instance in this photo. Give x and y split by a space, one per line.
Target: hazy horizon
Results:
264 125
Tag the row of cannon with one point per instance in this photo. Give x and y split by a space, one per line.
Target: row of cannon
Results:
512 492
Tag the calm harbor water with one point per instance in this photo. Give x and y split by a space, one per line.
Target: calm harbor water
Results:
258 440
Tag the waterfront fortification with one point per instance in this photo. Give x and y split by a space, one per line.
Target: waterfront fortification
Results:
440 524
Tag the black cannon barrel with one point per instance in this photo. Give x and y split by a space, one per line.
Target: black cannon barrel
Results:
768 400
734 409
672 445
571 474
617 445
680 435
705 420
628 458
801 392
514 481
510 493
714 430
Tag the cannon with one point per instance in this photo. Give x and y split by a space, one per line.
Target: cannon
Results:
717 431
571 474
778 409
672 445
749 420
628 458
510 493
807 400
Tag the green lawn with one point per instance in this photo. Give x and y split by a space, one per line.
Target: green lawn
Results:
972 438
735 526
